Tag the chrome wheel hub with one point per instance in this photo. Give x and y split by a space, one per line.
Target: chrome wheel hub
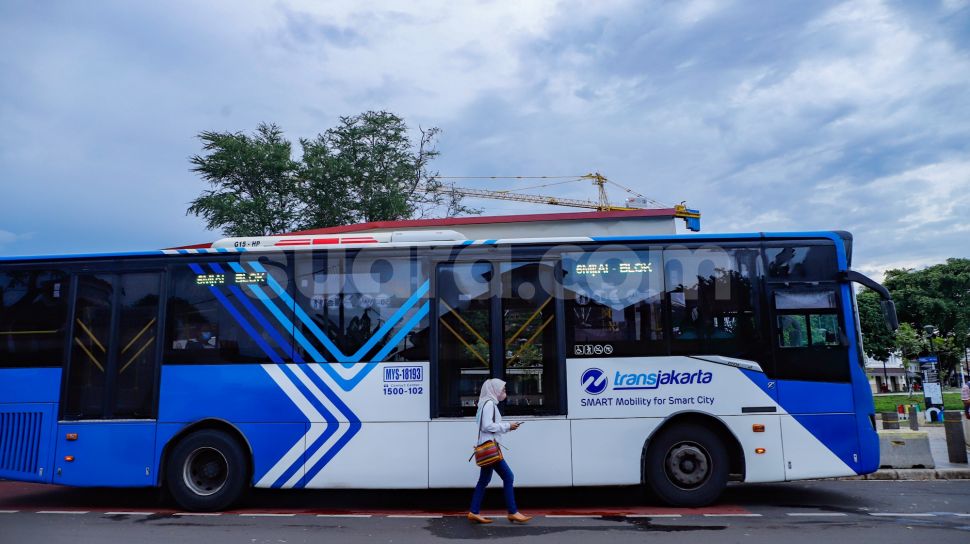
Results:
688 465
206 471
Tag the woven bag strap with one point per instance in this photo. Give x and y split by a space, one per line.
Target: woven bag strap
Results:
479 420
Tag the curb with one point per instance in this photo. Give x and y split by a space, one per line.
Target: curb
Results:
915 474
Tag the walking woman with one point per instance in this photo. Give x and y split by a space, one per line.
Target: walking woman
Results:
490 426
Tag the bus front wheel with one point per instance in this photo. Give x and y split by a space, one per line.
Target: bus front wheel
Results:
686 465
206 471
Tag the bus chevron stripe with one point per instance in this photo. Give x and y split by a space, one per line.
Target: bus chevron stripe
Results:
303 317
305 460
390 323
330 430
359 372
319 459
256 337
295 453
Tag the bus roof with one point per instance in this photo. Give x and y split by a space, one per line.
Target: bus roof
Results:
839 237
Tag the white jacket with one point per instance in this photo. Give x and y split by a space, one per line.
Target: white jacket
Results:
491 425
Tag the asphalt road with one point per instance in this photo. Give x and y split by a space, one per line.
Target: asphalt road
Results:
836 511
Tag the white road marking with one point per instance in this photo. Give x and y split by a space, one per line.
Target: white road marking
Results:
434 516
962 515
344 515
902 514
573 515
129 513
266 515
197 514
653 515
75 512
8 511
732 515
813 514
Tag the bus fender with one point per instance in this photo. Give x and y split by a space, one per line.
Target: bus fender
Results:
731 442
207 423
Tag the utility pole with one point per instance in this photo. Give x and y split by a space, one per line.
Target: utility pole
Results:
885 377
966 362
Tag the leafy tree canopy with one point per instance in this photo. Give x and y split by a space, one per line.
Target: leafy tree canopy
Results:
938 295
934 310
367 168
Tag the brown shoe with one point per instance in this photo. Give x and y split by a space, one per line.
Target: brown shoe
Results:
519 517
475 518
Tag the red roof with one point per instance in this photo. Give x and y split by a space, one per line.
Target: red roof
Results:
445 222
490 219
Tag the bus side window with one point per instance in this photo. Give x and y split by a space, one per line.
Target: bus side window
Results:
793 331
613 303
812 346
464 300
529 346
801 262
33 316
715 302
361 301
216 316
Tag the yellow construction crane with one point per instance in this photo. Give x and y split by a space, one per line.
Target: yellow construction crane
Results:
637 202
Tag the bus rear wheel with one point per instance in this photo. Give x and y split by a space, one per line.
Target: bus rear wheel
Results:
686 465
206 471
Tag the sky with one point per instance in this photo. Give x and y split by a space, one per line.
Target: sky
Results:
765 116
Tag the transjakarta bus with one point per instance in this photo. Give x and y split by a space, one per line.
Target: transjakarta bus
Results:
679 363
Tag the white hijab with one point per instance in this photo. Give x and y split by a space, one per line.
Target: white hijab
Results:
490 391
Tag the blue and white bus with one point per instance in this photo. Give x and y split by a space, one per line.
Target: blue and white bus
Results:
675 362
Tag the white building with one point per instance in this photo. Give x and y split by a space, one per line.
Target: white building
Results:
889 376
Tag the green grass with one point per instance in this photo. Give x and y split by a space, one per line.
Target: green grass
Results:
888 403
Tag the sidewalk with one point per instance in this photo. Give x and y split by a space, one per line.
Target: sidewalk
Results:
945 470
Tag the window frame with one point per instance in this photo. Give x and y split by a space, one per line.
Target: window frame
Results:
767 360
659 348
559 407
176 266
782 355
116 269
415 258
543 252
67 294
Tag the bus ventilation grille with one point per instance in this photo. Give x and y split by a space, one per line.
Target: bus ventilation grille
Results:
20 441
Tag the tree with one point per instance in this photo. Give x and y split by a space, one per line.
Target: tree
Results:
939 296
367 168
370 165
910 342
254 187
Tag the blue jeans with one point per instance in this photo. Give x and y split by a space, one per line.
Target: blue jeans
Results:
486 476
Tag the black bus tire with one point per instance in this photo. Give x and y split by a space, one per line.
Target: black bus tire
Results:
686 465
206 471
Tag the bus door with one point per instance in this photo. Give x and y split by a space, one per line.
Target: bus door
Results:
812 363
498 320
533 369
106 434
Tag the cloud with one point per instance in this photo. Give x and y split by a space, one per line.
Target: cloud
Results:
7 237
798 126
766 116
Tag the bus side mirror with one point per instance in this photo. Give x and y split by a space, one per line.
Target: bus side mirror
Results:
889 314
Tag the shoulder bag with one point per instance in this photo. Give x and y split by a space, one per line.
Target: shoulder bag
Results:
489 452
